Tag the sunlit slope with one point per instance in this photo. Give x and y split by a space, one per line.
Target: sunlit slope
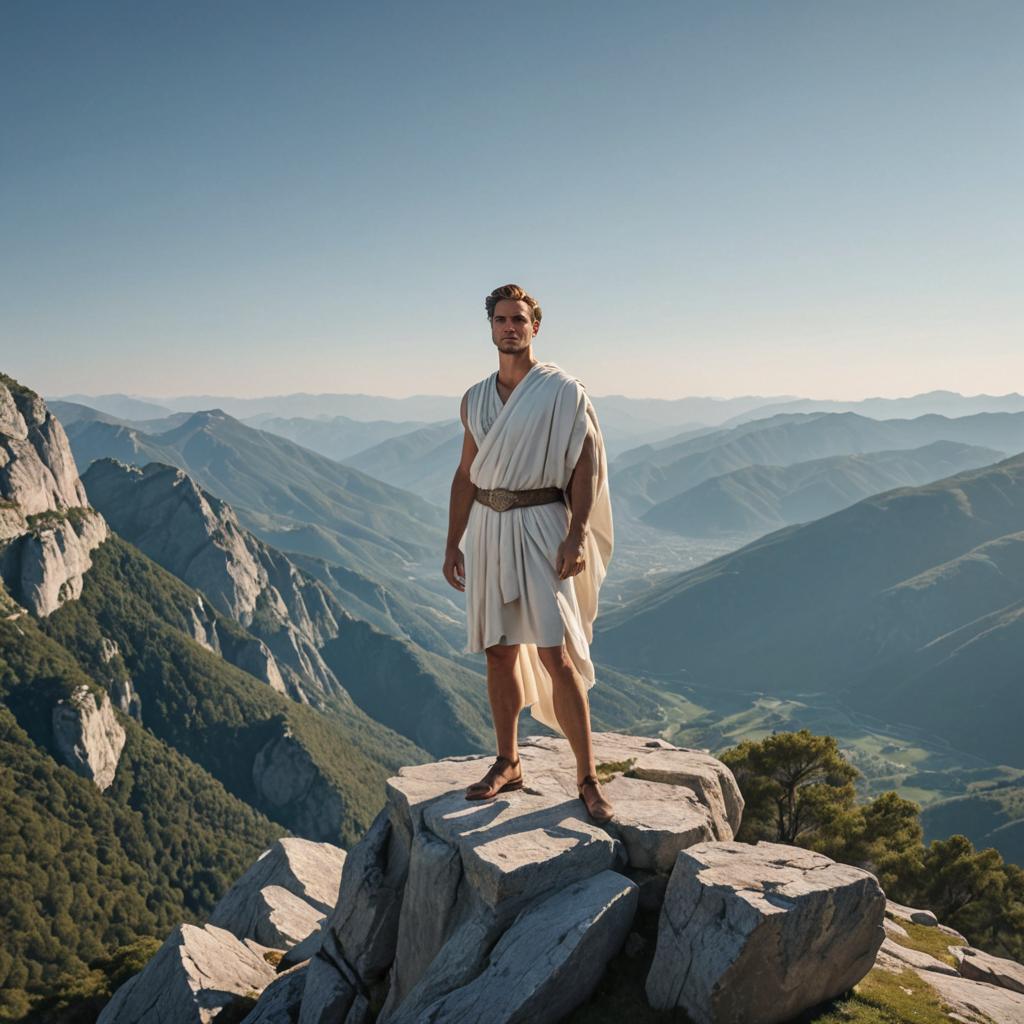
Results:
646 476
758 499
884 599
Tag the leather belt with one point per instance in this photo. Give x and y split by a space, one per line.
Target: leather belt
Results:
501 499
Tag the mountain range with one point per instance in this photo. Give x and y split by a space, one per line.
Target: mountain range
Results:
645 476
895 603
759 499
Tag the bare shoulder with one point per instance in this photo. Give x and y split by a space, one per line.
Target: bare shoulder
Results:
464 407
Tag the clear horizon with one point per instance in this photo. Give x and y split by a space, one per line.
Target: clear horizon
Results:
707 200
143 396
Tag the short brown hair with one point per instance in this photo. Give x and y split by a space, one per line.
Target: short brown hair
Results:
511 291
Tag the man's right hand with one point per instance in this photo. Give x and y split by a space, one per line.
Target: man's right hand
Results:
454 568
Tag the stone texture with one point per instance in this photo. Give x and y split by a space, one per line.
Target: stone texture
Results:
760 933
969 999
556 951
125 698
194 975
285 776
88 736
438 881
977 965
194 535
283 919
47 529
307 871
37 470
280 1000
707 777
304 950
901 912
333 994
915 958
959 938
365 920
46 565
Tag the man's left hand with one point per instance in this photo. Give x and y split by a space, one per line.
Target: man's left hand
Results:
569 559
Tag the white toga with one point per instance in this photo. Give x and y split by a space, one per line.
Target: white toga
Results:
513 592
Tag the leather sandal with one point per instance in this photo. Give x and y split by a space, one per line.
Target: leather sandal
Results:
597 806
496 776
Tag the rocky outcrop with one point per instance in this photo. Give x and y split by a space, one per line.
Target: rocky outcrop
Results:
443 896
244 651
289 784
122 689
128 702
46 565
192 977
977 965
913 914
965 1001
88 736
285 895
511 909
47 529
760 933
279 1003
194 535
37 470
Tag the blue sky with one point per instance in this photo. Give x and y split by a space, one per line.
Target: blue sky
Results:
813 198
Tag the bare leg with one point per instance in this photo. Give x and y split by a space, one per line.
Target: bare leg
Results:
572 709
505 689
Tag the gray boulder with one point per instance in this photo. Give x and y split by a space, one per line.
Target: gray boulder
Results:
556 950
285 895
281 999
969 1001
904 913
431 896
977 965
192 977
915 958
88 736
760 933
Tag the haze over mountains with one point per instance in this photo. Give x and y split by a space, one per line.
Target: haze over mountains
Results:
896 603
226 612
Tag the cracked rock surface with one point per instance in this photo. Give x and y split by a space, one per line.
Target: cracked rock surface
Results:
194 975
517 902
285 895
758 933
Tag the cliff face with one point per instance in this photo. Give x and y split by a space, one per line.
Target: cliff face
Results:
192 534
47 529
47 535
88 736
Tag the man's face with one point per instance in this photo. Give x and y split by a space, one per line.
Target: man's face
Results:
512 328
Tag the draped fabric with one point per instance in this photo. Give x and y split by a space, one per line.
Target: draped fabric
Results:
513 591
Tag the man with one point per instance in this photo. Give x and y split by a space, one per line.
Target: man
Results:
530 572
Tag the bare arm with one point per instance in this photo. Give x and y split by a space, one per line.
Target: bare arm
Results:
462 494
569 560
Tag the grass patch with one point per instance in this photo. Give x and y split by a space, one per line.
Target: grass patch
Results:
17 388
883 997
926 939
607 770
